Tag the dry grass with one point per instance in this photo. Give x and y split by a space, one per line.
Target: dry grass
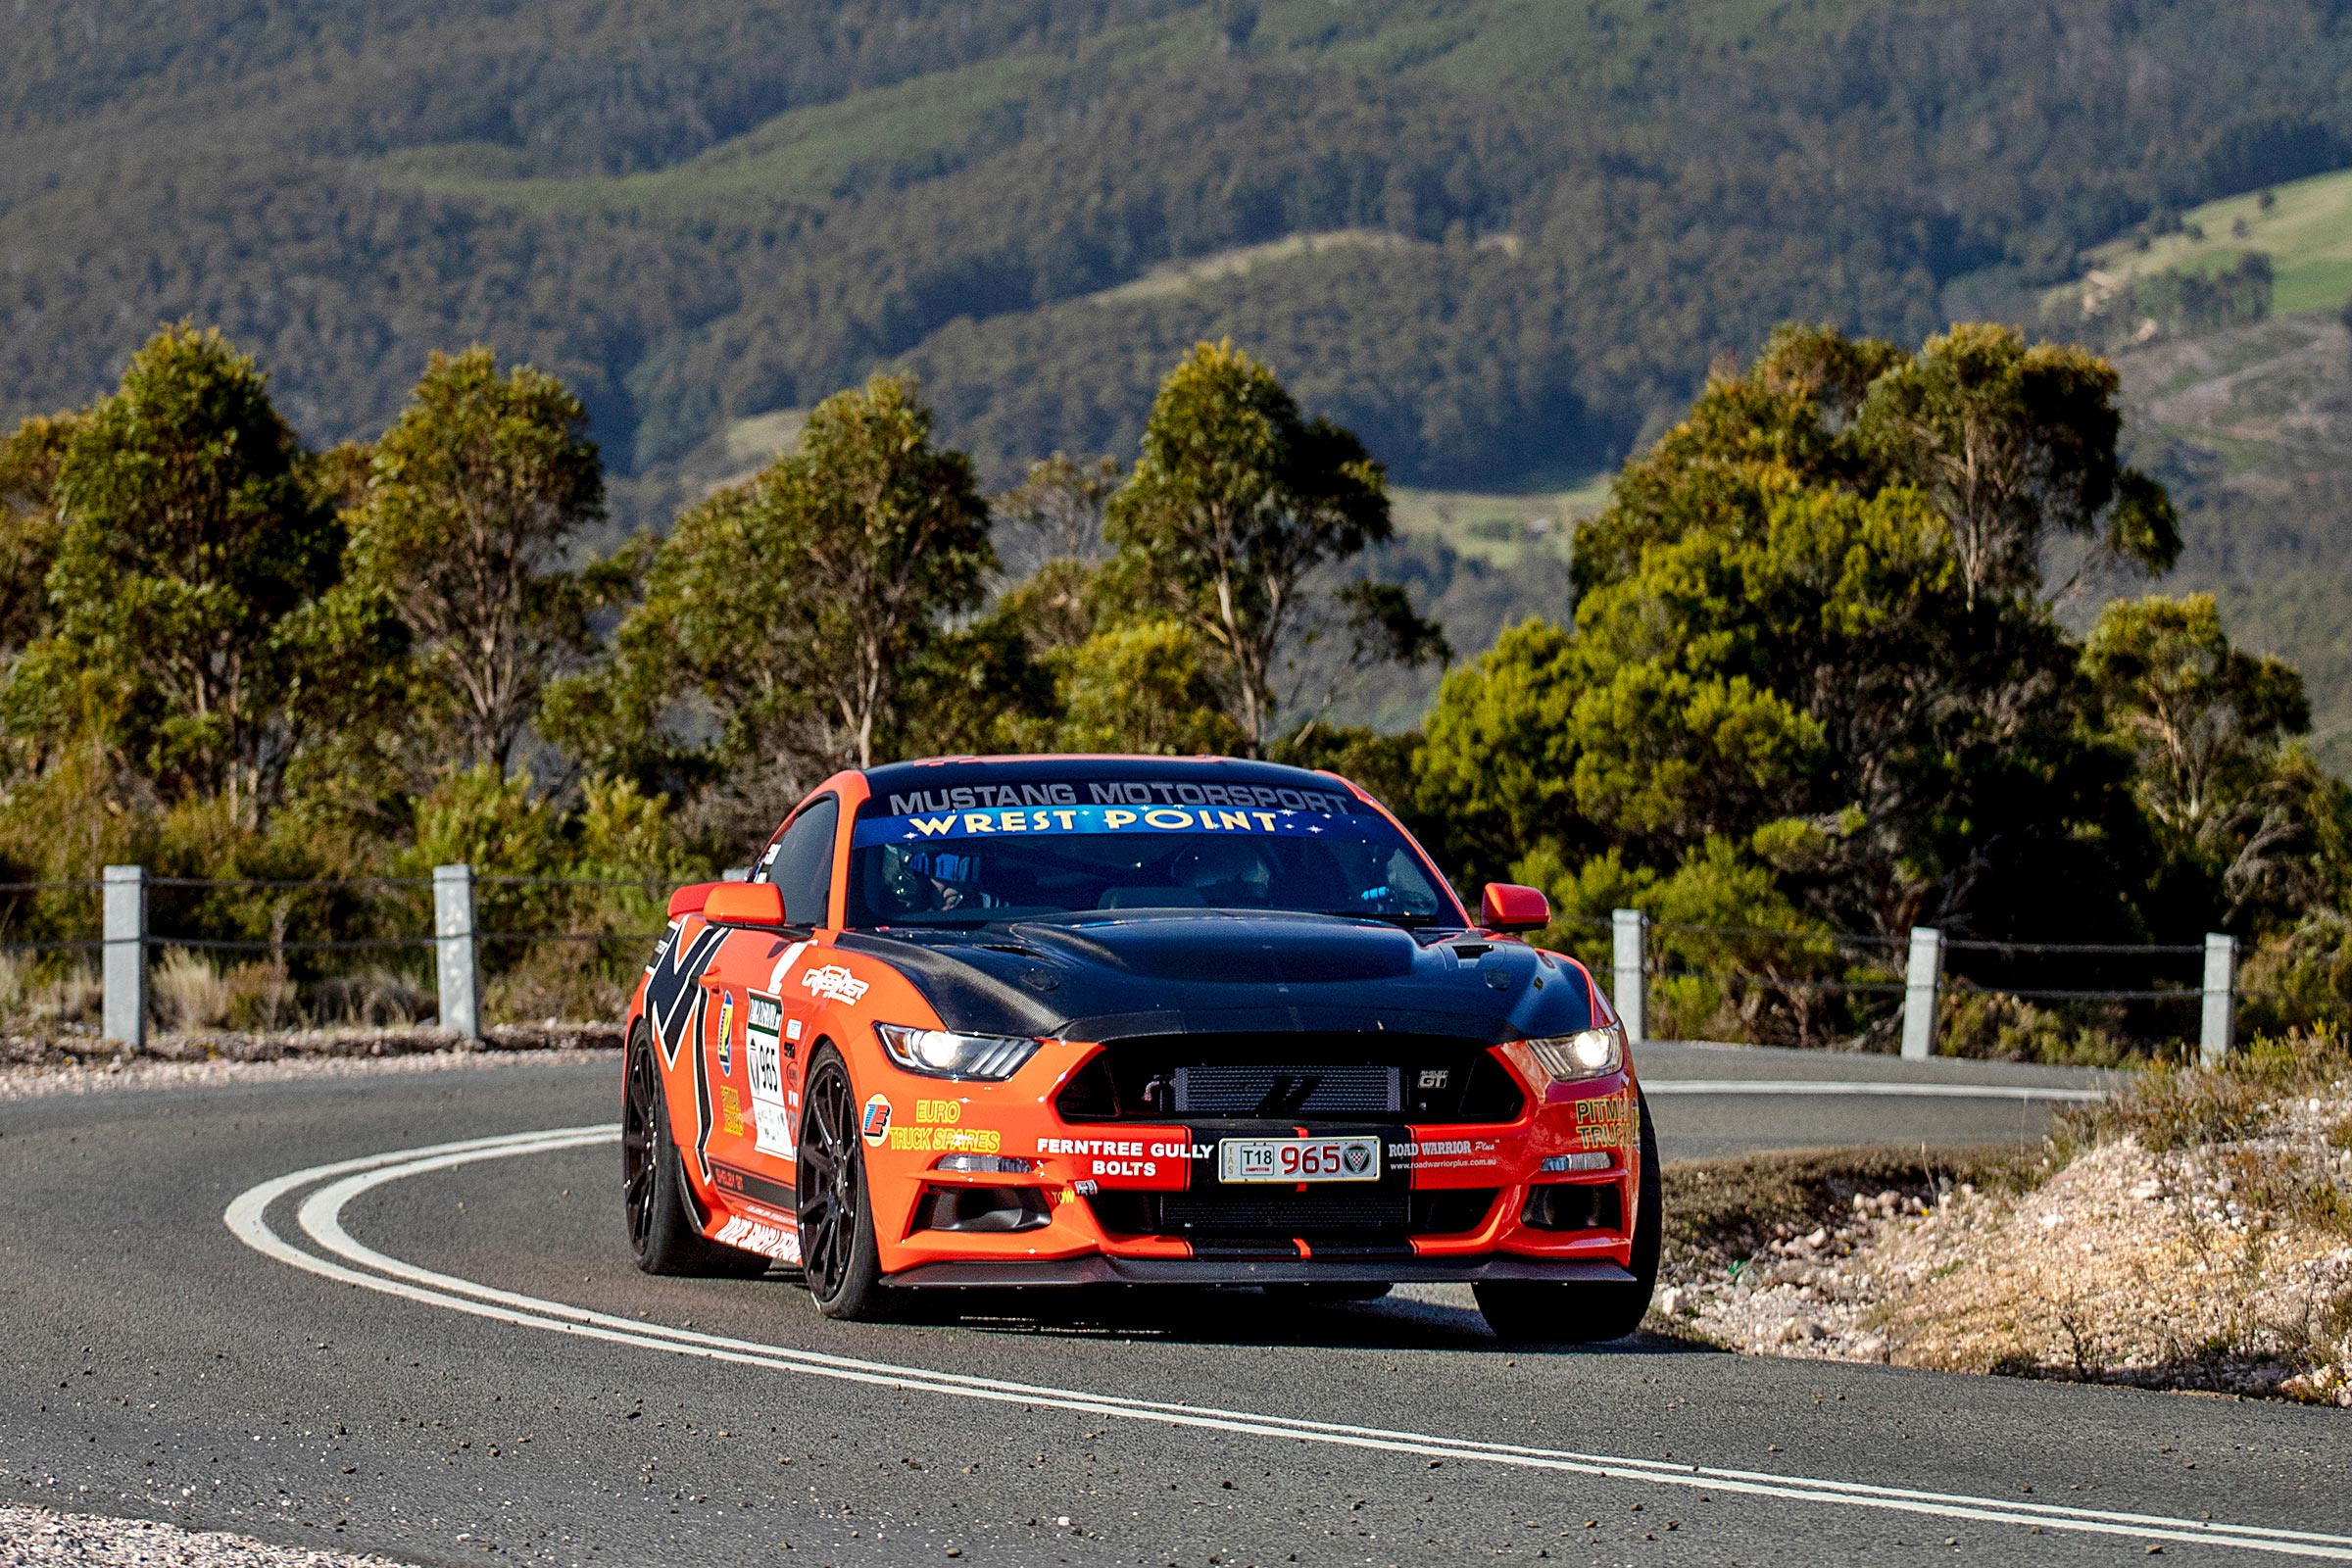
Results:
185 992
34 995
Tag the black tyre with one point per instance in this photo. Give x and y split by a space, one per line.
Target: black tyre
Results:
1535 1312
664 1236
837 1221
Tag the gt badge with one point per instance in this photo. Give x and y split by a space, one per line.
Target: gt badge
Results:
876 1124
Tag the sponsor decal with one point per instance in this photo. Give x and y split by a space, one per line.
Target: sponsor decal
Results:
1127 1147
749 1186
1156 791
939 1113
764 1054
726 1034
730 1112
792 1028
875 1125
1086 1189
757 1236
1443 1153
1606 1121
834 981
1005 820
947 1140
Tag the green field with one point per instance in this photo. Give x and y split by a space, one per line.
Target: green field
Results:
2307 233
1498 527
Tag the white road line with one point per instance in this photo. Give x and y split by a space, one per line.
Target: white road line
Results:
1855 1085
321 1219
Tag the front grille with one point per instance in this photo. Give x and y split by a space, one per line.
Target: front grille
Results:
1282 1213
1420 1079
1244 1090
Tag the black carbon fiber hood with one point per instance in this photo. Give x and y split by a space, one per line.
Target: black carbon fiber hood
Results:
1104 976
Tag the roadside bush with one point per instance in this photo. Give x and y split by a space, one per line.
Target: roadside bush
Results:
1995 1026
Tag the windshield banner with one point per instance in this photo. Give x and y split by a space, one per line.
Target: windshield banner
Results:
1006 821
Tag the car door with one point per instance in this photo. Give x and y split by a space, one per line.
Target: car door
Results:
752 1047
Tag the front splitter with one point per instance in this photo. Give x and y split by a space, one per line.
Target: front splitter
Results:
1096 1269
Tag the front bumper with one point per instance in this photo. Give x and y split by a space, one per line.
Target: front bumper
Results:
1134 1202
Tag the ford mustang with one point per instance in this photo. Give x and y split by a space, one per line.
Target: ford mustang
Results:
1107 1020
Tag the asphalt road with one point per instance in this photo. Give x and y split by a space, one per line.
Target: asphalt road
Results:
351 1384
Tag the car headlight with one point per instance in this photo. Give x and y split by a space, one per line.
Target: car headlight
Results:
1587 1053
945 1053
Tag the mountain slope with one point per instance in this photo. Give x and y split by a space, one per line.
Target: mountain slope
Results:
705 212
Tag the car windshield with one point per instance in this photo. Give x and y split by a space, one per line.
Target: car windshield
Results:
1011 863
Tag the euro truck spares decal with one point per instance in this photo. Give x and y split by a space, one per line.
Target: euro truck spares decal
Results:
763 1052
947 1140
1003 822
1606 1122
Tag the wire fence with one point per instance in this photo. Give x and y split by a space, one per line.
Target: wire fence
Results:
273 952
2028 999
557 944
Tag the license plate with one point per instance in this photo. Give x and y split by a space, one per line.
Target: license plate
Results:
1298 1160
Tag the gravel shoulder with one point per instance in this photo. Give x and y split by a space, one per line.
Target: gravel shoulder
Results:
35 1538
32 1068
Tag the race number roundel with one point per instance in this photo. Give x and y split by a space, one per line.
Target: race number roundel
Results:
875 1124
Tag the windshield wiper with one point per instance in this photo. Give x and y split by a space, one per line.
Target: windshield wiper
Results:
1408 922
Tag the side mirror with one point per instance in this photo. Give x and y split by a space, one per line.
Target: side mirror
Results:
745 903
1508 906
689 900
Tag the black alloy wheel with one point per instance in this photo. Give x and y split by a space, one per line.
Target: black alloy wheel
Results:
837 1224
640 1110
664 1236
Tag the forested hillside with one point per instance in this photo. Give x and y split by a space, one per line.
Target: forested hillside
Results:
1547 220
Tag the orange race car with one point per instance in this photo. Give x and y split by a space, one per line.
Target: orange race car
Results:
1078 1020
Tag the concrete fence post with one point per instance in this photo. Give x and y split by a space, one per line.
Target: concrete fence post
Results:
2219 1023
1923 989
124 965
458 967
1629 938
